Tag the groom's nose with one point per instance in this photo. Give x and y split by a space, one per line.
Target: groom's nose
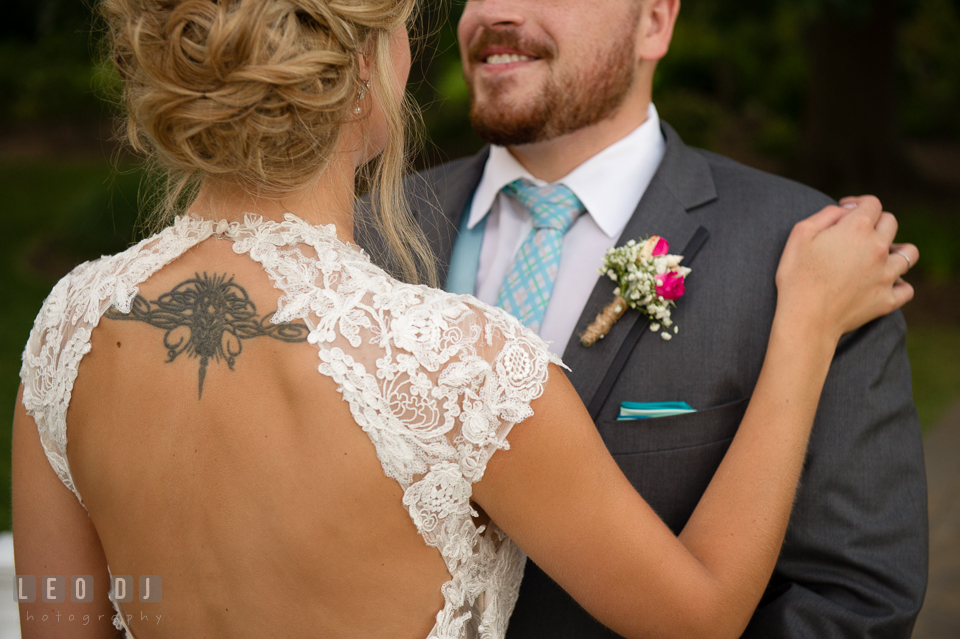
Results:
492 14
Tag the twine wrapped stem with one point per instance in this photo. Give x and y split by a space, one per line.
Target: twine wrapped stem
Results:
599 328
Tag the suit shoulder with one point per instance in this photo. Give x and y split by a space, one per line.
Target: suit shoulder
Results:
445 171
754 189
445 177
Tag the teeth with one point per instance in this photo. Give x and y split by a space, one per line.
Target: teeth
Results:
506 58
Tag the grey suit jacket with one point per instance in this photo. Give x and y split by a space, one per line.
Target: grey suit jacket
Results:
854 563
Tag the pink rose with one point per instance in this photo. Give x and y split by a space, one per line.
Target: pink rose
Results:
670 286
661 249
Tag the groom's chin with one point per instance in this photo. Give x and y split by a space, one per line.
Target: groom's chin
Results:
504 127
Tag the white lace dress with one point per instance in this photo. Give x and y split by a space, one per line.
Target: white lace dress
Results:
435 380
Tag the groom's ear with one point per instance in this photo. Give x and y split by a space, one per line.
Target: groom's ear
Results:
655 28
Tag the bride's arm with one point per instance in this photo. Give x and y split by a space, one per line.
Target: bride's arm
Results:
53 535
563 500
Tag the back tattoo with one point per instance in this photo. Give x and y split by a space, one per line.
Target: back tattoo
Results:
207 317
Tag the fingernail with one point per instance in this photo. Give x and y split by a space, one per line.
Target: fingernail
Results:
850 205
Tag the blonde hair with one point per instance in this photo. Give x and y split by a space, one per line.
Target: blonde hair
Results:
257 91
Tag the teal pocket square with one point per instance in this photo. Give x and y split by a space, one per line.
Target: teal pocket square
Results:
646 410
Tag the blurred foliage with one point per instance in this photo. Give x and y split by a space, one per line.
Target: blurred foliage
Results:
935 364
722 68
48 61
930 59
750 63
31 87
938 236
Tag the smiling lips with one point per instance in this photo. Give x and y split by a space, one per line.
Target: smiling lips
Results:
506 49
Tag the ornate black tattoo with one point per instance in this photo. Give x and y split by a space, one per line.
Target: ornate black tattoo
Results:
207 317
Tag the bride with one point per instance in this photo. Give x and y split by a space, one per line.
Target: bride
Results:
288 442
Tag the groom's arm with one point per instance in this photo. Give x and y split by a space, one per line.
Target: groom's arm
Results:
854 563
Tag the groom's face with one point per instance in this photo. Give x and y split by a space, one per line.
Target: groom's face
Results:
538 69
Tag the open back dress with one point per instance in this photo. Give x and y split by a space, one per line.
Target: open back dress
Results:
436 381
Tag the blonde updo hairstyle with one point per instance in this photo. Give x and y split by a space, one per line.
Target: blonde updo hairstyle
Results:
256 92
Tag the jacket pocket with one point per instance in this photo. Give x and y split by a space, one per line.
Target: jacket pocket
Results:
674 432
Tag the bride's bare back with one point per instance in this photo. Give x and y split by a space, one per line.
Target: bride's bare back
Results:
260 503
282 432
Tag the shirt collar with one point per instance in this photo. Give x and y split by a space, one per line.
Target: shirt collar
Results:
630 163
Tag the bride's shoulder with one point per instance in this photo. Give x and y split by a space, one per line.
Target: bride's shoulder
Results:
75 303
95 278
462 331
500 327
449 311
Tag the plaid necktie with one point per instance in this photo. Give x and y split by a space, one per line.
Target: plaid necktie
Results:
526 289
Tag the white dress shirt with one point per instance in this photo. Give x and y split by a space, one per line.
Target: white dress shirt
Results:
610 185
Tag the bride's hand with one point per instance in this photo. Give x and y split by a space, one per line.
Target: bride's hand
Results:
840 269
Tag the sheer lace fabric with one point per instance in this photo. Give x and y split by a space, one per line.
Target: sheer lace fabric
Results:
436 381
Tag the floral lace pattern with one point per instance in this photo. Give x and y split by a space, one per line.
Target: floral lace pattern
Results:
436 381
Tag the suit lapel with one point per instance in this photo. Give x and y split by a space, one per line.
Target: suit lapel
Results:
682 182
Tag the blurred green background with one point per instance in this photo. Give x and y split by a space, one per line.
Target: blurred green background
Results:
850 96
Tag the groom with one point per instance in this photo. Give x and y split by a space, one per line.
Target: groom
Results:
562 91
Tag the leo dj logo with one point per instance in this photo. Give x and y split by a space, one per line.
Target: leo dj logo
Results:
53 588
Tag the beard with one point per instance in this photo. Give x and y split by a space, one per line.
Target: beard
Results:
565 103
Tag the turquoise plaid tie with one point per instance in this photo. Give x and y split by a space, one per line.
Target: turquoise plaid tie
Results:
526 289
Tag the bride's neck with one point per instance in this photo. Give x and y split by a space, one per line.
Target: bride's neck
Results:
327 200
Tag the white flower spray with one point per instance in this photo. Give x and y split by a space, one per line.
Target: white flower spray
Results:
648 279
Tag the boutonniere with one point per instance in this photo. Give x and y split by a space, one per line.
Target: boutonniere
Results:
648 280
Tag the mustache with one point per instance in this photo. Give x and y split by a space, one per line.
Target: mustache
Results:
508 37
